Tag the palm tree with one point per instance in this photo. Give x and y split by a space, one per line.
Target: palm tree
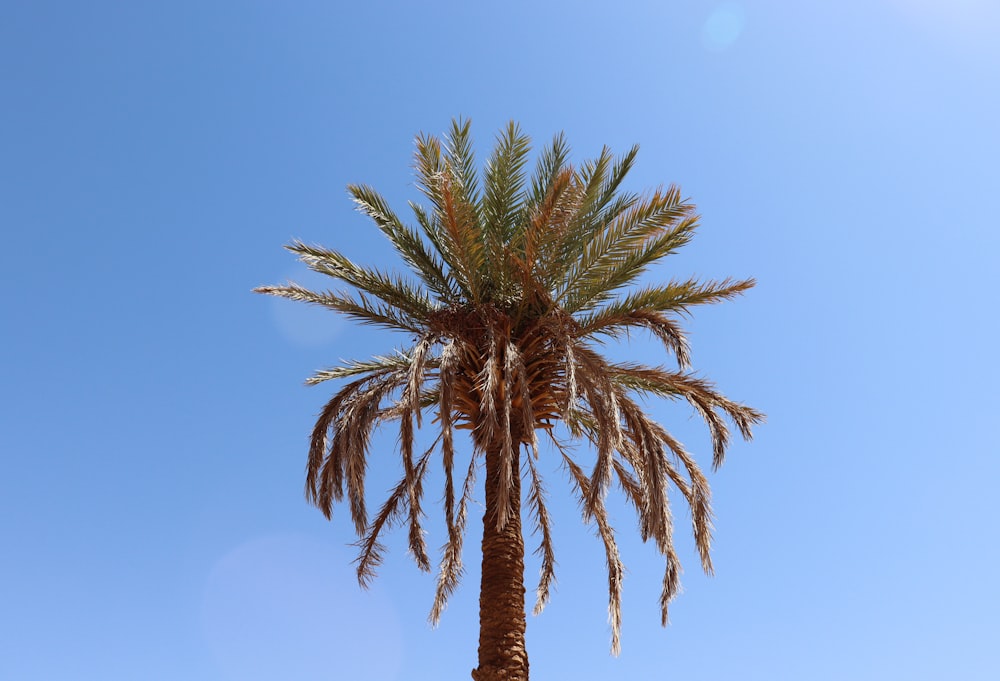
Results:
518 283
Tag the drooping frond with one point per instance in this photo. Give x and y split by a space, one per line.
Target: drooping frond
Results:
671 583
370 548
665 329
699 393
699 499
333 477
451 563
353 414
487 383
449 365
606 412
410 407
507 444
616 569
543 526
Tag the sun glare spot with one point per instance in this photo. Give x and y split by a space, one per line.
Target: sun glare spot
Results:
723 27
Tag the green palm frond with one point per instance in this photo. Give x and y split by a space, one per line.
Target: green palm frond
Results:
621 251
608 204
595 208
462 160
407 242
360 308
536 247
391 289
378 363
675 297
462 236
551 162
611 204
618 269
504 182
588 182
430 165
453 226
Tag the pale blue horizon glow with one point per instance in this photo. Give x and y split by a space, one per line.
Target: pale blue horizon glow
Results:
154 426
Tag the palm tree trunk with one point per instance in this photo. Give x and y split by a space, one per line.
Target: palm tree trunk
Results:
502 653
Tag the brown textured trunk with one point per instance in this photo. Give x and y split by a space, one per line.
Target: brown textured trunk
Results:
502 653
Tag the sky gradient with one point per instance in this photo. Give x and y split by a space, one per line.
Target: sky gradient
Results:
155 157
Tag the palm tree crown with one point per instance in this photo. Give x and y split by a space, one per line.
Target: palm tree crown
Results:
519 280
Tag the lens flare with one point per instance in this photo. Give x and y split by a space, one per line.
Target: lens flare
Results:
723 26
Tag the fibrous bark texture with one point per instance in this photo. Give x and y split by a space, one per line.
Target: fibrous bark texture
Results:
502 653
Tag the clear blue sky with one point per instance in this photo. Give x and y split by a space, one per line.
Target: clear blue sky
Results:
155 157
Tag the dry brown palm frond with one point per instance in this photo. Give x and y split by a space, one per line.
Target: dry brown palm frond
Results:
417 545
699 498
701 394
370 549
451 562
595 420
546 550
645 452
603 399
355 417
507 440
671 584
616 569
656 521
487 383
667 383
319 443
570 411
633 492
446 380
520 383
665 329
410 404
